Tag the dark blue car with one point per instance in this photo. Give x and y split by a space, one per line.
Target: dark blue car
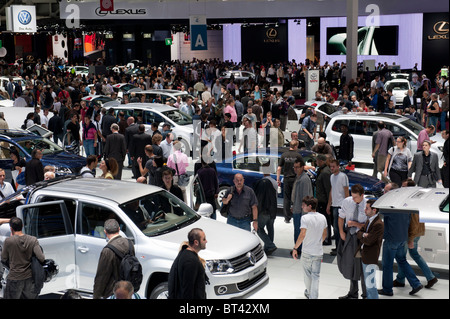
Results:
250 167
24 142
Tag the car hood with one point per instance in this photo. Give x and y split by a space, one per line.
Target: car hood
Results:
64 159
367 181
224 241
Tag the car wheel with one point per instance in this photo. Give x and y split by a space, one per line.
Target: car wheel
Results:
161 291
185 147
222 191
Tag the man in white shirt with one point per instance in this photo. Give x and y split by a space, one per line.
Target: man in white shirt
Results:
44 118
167 145
313 232
6 188
339 191
352 218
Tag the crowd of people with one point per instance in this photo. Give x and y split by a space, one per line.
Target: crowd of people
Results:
321 213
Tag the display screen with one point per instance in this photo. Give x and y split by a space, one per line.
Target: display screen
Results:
381 40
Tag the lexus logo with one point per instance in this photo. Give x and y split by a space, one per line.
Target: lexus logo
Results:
441 27
24 17
271 33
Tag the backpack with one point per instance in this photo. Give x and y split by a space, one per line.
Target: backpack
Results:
130 268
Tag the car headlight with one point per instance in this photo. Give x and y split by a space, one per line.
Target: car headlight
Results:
63 171
441 148
219 267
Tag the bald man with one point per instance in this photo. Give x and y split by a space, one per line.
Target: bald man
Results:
322 147
243 203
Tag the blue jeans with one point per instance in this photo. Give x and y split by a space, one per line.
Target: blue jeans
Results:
442 120
311 274
89 147
432 120
370 272
419 261
391 250
297 224
335 212
240 223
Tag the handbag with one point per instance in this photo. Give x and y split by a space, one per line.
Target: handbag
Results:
226 207
183 179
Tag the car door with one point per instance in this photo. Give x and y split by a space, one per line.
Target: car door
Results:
362 131
90 239
51 224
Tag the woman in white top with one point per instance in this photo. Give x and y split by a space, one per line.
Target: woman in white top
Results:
398 161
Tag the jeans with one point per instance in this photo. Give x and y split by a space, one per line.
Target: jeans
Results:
370 272
419 261
265 221
89 147
335 212
432 120
240 223
297 224
397 250
442 120
311 274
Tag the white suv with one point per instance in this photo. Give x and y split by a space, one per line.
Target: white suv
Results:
67 217
180 123
362 126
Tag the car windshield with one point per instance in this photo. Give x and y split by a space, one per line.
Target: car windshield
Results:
178 117
45 145
159 213
413 126
126 87
397 86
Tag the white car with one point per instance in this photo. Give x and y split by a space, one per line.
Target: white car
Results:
363 125
67 216
399 87
181 124
123 88
432 205
4 80
99 99
5 102
83 70
166 96
323 109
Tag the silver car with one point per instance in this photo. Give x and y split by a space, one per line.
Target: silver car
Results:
432 205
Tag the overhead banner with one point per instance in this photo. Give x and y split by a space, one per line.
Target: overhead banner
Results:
199 31
21 19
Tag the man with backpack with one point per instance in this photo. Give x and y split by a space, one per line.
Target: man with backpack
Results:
114 263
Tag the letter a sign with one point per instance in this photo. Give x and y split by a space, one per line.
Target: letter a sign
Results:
199 39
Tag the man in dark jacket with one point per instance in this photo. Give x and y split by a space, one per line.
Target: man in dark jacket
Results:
323 188
346 145
109 264
137 148
115 147
266 194
187 278
371 237
34 170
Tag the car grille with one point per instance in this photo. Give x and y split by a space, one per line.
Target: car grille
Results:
248 259
248 283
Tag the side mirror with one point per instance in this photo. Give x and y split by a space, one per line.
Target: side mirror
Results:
205 210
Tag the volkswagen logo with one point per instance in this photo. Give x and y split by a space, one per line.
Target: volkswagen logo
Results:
251 258
24 17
